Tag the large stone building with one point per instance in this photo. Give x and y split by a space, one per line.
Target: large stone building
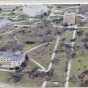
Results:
11 59
35 10
69 18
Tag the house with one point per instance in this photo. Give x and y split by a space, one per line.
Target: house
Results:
11 59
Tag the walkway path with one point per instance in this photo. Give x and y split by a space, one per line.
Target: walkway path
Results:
52 58
70 61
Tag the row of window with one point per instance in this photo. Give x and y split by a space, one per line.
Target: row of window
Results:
7 59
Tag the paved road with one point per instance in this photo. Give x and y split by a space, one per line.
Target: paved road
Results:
36 47
53 54
68 73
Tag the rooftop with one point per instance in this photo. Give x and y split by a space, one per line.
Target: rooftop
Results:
4 22
12 56
35 10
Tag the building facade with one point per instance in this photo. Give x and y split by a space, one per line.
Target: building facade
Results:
11 59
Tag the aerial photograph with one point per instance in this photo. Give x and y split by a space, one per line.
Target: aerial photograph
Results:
44 46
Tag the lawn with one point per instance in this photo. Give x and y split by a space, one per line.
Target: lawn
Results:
79 64
43 56
4 76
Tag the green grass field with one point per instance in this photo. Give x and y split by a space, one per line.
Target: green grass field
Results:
79 64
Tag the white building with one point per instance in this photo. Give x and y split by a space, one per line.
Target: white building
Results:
35 10
11 59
